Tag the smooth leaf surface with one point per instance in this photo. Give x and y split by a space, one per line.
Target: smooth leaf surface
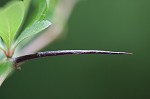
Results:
36 28
11 17
5 70
40 9
26 4
38 12
43 7
1 45
51 10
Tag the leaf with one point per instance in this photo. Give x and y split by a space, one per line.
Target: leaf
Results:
17 11
43 6
26 4
36 28
11 17
1 45
51 10
38 12
6 69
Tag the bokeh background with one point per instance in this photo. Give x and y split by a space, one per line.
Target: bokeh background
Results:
117 25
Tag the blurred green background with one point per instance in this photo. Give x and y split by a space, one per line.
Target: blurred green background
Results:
117 25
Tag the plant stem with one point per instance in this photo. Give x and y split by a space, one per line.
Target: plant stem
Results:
24 58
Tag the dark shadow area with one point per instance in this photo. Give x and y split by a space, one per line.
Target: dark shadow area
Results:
3 2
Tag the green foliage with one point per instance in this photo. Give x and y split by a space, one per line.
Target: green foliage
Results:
43 8
6 69
12 18
35 28
34 16
38 22
51 10
39 11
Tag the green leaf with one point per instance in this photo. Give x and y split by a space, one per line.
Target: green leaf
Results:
6 69
36 15
43 6
38 12
36 28
2 56
11 17
26 4
51 10
1 44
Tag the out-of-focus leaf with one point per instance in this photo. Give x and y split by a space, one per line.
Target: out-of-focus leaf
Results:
6 69
26 4
1 44
36 28
36 15
38 12
51 10
2 56
11 17
43 6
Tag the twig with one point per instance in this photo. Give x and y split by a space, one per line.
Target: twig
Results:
24 58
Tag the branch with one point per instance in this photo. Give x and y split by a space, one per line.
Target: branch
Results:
24 58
